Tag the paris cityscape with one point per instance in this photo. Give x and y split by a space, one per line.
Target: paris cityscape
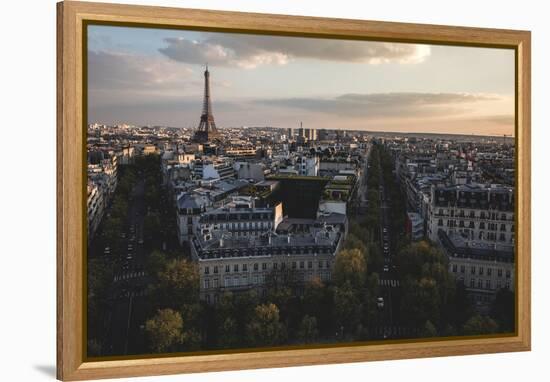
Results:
214 237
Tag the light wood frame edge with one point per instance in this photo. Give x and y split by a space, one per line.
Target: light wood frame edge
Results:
70 365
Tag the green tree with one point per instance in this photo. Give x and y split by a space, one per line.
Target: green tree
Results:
429 330
156 262
178 284
480 325
228 336
350 266
347 308
265 329
420 301
165 330
308 331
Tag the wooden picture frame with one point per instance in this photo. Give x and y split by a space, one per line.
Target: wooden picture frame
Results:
71 204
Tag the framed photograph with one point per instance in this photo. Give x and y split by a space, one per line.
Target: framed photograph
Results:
241 191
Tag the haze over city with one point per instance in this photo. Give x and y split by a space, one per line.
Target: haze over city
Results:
154 77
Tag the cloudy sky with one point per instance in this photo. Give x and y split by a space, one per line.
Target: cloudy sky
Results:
155 77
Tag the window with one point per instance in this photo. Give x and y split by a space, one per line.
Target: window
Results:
301 265
440 222
215 269
208 299
455 268
245 267
500 273
206 270
264 266
502 237
293 265
462 269
215 283
310 264
226 281
482 225
236 267
206 284
320 264
227 268
487 284
473 270
508 274
480 283
489 271
255 266
472 283
275 266
481 271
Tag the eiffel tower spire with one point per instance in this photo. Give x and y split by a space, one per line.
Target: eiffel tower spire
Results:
206 131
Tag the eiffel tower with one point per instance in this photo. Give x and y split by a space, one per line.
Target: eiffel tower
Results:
207 130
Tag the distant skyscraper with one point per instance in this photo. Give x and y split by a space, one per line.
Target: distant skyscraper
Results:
207 130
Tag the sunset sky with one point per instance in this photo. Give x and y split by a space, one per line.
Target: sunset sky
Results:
155 77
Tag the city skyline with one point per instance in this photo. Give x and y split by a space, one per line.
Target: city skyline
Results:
154 77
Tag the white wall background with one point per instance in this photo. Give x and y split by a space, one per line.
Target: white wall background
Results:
27 187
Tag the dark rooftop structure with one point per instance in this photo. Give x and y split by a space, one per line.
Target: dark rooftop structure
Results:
457 246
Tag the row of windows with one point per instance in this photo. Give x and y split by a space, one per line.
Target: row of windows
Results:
488 284
256 279
480 270
245 225
256 266
472 214
471 224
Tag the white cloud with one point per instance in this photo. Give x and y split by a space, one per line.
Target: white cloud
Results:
125 72
251 51
388 104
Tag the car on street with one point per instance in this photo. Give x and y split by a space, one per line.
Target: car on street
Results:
386 268
385 230
140 241
129 256
380 302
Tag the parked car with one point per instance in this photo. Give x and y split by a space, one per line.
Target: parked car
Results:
380 302
386 268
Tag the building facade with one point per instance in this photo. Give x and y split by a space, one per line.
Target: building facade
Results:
483 268
232 262
481 213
